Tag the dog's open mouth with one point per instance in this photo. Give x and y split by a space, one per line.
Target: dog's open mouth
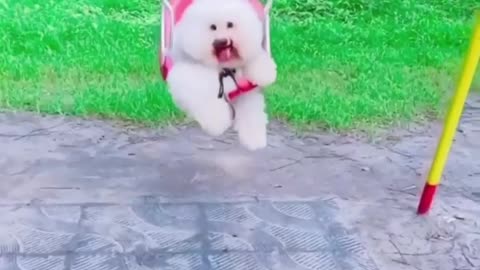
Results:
224 50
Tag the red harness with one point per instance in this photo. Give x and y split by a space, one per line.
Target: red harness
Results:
166 62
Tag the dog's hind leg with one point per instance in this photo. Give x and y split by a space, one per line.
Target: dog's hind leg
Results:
194 89
251 120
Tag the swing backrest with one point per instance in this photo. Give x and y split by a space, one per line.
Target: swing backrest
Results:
172 12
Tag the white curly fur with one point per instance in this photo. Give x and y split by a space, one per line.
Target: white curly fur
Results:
193 80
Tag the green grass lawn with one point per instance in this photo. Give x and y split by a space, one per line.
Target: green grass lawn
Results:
342 63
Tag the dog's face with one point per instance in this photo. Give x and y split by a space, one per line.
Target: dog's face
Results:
222 33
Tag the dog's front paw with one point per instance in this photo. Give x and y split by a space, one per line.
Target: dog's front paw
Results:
262 70
216 120
215 127
252 134
254 140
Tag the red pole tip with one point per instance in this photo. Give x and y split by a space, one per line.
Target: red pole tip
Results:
426 199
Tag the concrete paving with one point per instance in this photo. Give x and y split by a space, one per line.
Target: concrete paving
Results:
82 194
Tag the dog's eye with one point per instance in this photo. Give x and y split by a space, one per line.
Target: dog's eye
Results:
213 27
229 25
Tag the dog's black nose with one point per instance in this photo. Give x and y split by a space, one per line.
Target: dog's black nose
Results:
220 43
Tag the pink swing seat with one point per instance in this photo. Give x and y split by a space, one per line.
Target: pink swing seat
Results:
172 12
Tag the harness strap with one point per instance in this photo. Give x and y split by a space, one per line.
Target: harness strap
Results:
226 72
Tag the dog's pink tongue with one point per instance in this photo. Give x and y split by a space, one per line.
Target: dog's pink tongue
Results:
225 55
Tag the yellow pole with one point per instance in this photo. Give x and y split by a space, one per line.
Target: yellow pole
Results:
452 119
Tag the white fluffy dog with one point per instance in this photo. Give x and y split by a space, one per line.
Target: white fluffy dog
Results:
213 35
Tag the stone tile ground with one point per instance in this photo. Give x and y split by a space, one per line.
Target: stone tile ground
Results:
80 194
